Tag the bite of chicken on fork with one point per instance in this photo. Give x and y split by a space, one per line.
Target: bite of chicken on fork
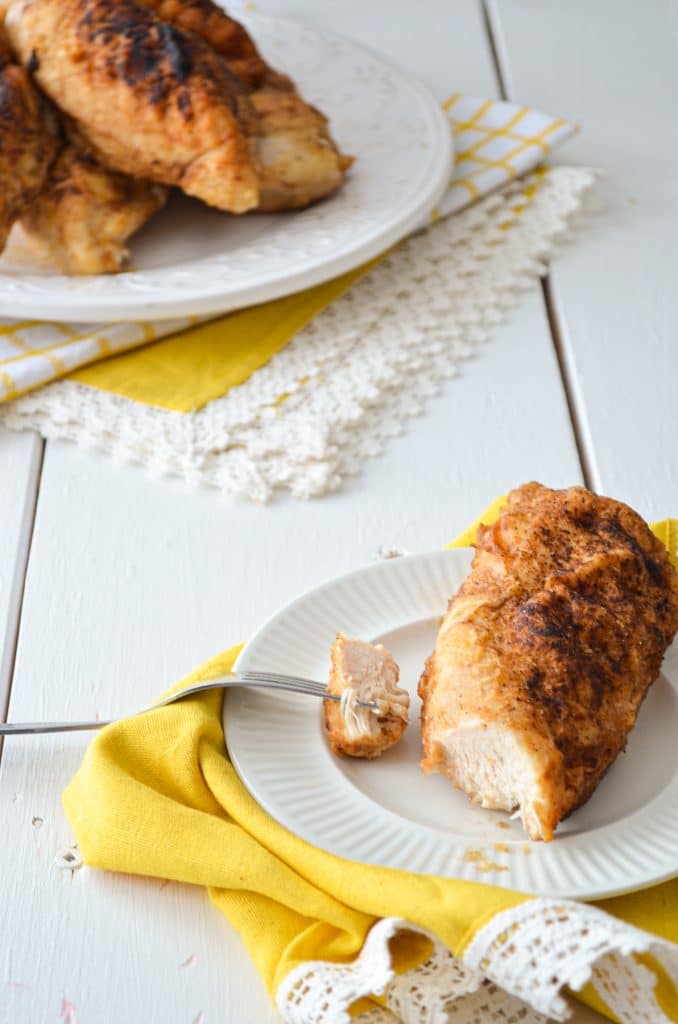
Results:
369 673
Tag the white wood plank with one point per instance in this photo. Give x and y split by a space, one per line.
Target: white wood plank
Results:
611 66
20 456
132 581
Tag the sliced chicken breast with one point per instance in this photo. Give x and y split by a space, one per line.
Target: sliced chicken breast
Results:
546 653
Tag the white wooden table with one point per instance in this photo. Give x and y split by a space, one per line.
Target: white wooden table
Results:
112 583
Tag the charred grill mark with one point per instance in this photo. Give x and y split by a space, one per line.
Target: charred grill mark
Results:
5 52
15 105
655 570
177 51
228 38
158 91
142 60
534 683
583 635
548 617
144 50
184 104
582 514
6 97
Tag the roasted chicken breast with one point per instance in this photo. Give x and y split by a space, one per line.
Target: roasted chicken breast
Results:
298 160
366 672
29 140
546 653
151 100
85 214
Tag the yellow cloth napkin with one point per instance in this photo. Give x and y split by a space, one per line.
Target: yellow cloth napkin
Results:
157 795
495 142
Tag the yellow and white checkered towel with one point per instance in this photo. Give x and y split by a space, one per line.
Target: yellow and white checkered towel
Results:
495 142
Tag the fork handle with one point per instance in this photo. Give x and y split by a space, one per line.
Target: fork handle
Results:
32 728
36 728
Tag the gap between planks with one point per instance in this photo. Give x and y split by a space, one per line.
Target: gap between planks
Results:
19 585
569 379
565 367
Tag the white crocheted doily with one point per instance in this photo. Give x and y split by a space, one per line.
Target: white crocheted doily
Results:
337 391
513 972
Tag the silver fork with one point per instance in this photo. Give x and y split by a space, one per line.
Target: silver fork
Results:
264 680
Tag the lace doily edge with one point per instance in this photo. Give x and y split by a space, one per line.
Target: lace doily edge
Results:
592 947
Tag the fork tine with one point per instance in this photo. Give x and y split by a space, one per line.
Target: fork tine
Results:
268 684
296 684
278 677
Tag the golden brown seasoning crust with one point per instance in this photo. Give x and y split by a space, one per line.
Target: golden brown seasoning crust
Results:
83 217
391 729
29 140
556 635
152 100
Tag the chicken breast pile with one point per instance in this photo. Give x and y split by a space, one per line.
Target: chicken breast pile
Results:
546 653
138 96
149 99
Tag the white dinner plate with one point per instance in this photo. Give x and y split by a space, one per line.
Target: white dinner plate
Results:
386 811
193 260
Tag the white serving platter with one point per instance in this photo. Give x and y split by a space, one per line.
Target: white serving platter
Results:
193 260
